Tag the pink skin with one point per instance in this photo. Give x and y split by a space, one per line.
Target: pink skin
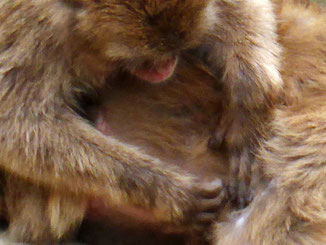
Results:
158 73
102 125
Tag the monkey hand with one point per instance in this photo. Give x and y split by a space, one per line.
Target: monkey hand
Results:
238 134
211 197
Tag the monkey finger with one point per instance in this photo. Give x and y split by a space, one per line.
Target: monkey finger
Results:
203 220
212 205
218 139
243 193
209 189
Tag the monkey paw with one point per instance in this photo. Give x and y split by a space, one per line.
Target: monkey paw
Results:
211 197
238 133
200 205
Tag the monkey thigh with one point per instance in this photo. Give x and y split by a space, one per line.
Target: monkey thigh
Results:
292 209
38 214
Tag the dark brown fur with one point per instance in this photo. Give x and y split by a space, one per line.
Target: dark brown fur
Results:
292 208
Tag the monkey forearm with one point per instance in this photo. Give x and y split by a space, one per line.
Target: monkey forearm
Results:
251 53
73 155
243 45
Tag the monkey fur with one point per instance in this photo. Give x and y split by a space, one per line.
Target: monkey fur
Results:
291 210
52 52
243 50
173 122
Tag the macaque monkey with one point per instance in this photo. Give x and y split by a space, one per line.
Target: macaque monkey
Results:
173 123
291 210
52 52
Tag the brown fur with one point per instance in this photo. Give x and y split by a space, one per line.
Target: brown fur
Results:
172 122
243 50
54 161
53 51
292 208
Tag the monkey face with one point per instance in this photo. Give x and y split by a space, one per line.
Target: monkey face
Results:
144 36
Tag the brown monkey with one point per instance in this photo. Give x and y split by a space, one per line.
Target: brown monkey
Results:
172 122
53 160
52 51
292 208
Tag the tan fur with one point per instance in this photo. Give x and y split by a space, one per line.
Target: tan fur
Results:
172 122
243 50
292 208
53 51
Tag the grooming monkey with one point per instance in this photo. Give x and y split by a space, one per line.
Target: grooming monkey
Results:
54 161
291 210
54 51
172 122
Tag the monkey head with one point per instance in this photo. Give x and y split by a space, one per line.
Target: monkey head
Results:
143 37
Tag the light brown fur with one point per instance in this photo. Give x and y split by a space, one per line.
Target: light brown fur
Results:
172 122
291 210
243 50
53 160
53 51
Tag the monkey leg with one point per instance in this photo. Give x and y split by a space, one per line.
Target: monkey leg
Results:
38 215
274 219
292 209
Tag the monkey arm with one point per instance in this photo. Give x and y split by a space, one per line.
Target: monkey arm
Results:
243 48
245 36
68 153
244 43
